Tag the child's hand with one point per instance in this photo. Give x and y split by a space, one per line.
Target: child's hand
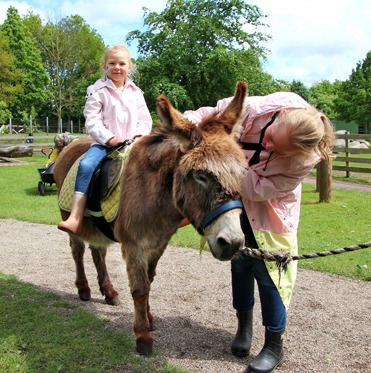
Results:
115 141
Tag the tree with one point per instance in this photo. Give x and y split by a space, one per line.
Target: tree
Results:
354 97
322 95
9 78
298 87
71 52
34 79
200 47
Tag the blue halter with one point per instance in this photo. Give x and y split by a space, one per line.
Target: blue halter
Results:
221 210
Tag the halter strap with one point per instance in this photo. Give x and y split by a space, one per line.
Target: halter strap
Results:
220 210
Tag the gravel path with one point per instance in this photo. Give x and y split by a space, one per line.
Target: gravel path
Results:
328 321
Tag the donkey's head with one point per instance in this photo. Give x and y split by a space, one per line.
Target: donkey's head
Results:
207 181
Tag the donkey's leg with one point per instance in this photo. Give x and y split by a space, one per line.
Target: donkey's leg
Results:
136 266
78 250
105 284
152 264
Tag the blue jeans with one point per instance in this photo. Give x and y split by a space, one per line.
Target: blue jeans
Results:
245 270
87 166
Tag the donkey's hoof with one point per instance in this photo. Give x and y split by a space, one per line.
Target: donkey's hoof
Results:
144 348
113 301
85 296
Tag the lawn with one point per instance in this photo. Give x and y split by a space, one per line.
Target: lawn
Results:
41 332
345 221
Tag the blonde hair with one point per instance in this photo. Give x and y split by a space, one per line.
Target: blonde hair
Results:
309 130
113 49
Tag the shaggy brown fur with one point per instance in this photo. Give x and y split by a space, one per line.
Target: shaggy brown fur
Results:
163 184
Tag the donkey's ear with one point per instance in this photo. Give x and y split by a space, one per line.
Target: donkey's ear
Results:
179 126
235 108
171 118
165 111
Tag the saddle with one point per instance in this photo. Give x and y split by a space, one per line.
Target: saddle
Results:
103 194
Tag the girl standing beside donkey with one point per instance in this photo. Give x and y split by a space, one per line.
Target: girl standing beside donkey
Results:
283 138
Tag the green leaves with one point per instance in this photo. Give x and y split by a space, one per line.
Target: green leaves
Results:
33 78
354 97
45 65
201 47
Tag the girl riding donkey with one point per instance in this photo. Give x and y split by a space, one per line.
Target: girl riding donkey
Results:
115 111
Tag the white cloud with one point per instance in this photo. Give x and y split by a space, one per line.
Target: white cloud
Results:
311 40
112 19
316 40
22 7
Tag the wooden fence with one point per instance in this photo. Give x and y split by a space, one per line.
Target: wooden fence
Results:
351 156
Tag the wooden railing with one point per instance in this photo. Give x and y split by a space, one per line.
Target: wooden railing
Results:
350 155
346 154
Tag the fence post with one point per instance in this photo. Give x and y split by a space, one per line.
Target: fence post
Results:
324 180
347 173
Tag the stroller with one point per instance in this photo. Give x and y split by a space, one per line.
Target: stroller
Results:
47 174
47 177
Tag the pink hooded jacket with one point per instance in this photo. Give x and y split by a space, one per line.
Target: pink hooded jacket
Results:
111 112
272 187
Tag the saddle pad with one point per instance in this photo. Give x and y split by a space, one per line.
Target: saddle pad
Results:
68 187
109 204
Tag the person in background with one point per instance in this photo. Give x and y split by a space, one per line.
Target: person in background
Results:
283 138
115 111
60 141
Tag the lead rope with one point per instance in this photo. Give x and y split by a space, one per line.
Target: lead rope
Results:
283 259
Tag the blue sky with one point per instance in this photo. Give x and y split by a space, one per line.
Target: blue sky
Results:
311 40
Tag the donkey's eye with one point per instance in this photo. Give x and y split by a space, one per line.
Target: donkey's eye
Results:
201 178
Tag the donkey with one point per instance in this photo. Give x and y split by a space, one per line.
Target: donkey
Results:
181 170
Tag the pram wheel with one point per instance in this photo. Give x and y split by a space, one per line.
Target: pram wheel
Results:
41 188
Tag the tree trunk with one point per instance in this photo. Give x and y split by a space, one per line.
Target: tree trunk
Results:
16 151
324 179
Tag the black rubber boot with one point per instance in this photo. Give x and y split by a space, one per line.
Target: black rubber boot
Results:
270 356
242 341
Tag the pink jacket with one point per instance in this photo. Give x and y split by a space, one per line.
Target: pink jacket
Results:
110 112
272 188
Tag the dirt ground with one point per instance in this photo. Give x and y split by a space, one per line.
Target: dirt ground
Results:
328 321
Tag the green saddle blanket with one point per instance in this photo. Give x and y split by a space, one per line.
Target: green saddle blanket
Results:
110 202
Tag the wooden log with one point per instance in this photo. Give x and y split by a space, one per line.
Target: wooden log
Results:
16 151
10 160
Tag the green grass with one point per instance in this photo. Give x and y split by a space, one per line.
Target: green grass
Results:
345 221
40 332
19 139
19 195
